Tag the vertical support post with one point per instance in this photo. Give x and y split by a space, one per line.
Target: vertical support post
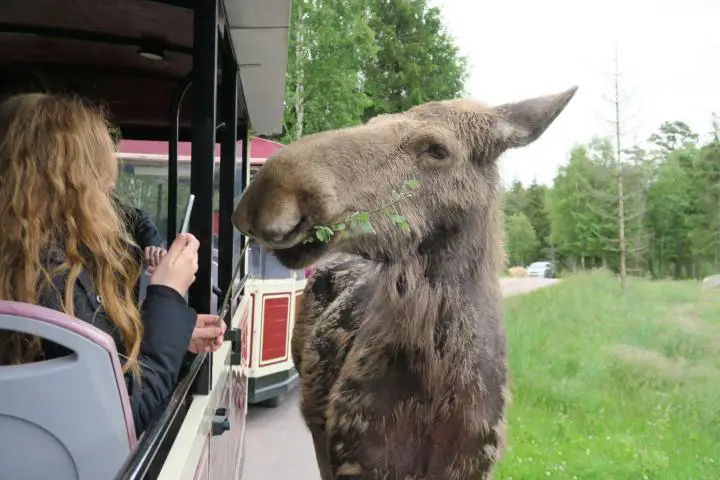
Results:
205 41
244 179
158 206
182 88
228 156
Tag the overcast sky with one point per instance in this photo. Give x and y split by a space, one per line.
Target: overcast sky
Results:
669 53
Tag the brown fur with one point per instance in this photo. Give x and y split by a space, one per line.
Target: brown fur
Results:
399 340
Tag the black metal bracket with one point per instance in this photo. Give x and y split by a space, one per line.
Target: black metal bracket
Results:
220 423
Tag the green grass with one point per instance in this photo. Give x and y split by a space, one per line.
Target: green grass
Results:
612 388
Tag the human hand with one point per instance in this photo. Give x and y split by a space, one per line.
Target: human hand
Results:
207 336
178 266
153 256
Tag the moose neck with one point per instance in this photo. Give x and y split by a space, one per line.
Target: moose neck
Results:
449 274
461 250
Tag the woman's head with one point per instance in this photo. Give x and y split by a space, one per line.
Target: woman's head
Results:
70 137
58 164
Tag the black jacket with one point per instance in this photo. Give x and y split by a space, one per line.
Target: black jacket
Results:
144 232
141 226
168 322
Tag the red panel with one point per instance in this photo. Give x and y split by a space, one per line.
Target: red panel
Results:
275 328
245 328
216 223
251 327
259 147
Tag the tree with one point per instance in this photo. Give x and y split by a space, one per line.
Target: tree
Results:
537 214
417 61
669 202
331 44
673 136
521 239
514 200
618 174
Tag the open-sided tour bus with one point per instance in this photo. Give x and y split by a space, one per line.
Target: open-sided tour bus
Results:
200 71
272 292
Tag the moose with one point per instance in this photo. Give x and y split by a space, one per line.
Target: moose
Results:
399 341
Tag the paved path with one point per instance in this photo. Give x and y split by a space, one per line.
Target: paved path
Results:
279 446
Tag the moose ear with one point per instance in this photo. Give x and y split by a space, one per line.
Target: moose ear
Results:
521 123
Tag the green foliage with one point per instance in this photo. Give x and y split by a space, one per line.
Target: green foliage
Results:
330 45
349 61
606 387
672 206
360 223
417 61
522 241
531 202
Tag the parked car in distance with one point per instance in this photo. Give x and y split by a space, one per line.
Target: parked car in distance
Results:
542 270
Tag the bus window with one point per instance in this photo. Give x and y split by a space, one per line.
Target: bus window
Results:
263 264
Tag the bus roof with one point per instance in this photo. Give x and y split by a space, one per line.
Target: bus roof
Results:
151 152
133 56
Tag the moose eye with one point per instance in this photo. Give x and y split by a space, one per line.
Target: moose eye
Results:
437 152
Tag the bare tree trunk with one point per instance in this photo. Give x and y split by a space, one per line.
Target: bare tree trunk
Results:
618 173
300 72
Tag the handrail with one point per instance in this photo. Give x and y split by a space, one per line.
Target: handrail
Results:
138 463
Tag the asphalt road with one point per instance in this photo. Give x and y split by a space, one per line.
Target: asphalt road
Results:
278 445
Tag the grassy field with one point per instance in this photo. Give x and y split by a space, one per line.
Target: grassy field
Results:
612 388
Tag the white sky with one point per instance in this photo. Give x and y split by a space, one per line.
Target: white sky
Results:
669 57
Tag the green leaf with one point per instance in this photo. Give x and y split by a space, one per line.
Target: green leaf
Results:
412 184
363 217
398 219
366 228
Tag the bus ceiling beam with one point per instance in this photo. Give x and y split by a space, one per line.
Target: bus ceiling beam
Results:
90 37
173 141
176 3
205 63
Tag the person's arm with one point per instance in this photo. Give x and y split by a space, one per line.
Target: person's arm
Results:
146 233
140 226
169 324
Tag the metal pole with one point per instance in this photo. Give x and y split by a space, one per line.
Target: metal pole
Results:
158 206
205 42
244 178
173 156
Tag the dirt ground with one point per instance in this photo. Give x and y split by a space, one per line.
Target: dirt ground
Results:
279 446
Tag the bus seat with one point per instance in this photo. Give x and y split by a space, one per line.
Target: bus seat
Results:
63 418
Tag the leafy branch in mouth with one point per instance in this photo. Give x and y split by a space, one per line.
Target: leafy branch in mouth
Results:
359 222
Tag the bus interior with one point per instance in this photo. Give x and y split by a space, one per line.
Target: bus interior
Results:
207 72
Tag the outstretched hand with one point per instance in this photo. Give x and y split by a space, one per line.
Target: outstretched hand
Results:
207 336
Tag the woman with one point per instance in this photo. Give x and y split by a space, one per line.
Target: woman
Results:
145 234
60 248
148 247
